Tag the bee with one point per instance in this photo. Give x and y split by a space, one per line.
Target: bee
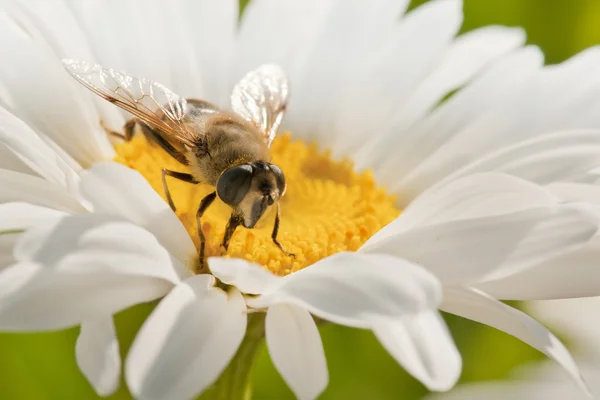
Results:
226 149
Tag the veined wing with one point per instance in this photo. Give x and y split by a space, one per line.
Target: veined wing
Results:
261 97
150 101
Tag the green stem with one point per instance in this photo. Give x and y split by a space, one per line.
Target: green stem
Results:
235 383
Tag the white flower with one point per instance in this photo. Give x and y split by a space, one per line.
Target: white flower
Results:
481 177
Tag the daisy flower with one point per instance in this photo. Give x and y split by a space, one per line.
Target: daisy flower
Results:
424 172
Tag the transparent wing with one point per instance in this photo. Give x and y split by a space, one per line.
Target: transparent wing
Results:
150 101
261 97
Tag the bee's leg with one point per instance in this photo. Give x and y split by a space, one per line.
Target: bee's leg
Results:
127 129
157 138
182 176
204 204
234 222
274 234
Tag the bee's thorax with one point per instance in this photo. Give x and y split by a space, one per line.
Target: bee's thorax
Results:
226 141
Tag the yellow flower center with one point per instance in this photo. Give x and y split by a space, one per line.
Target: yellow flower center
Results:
327 207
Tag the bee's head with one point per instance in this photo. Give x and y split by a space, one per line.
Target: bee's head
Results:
250 189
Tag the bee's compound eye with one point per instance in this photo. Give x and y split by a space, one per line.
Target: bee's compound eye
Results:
234 183
280 178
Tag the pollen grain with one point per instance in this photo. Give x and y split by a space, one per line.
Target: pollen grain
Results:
328 208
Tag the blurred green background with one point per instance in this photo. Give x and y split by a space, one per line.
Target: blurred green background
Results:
42 366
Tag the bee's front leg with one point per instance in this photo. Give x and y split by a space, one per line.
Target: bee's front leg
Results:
275 232
234 222
204 204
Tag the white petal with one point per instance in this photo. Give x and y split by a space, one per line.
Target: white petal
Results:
54 25
384 80
534 381
211 28
478 306
9 161
70 167
117 32
348 34
79 268
576 319
468 250
179 32
422 344
574 274
465 57
356 289
59 107
21 216
114 189
414 145
178 42
591 177
484 225
31 149
569 229
247 277
21 187
297 22
187 341
475 196
43 300
296 349
58 31
572 191
8 241
549 158
97 354
121 41
561 102
108 242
